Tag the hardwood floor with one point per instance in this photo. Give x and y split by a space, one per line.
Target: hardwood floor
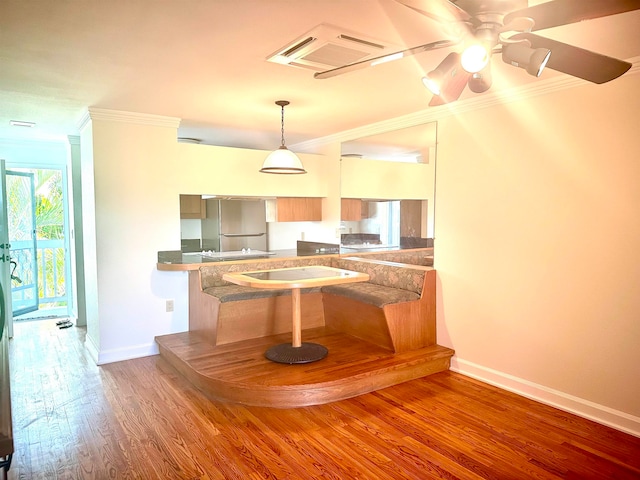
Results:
140 419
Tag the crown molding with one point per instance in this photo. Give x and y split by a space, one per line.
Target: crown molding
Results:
94 113
432 114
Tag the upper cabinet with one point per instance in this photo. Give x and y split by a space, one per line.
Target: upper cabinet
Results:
353 209
411 218
294 209
192 206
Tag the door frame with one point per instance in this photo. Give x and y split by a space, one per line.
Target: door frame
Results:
5 274
66 205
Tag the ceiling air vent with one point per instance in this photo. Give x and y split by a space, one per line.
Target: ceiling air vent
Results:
326 47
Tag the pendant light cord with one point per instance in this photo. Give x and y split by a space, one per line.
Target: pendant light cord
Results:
282 104
282 126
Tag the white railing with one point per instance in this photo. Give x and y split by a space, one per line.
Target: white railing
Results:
52 281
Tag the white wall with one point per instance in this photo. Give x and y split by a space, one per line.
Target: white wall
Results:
365 178
538 247
126 174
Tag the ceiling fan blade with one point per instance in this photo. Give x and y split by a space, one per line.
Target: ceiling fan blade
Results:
576 61
383 59
452 90
442 10
564 12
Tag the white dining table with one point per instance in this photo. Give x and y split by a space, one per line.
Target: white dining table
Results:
295 278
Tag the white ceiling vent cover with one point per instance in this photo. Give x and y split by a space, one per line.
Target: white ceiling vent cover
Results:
326 47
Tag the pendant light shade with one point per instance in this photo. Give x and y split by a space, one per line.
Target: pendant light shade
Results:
282 160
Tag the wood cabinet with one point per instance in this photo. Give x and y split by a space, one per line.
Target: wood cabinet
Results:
410 218
294 209
353 209
192 206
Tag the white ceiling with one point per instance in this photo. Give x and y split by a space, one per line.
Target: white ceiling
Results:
204 61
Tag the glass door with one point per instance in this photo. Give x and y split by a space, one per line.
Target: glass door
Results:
21 215
39 234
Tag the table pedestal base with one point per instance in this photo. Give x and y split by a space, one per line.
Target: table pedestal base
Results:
305 353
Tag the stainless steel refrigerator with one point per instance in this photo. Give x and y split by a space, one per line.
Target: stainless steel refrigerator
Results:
234 224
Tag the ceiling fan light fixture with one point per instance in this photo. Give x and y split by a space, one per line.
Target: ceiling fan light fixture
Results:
538 61
436 79
282 160
433 82
475 57
480 82
523 56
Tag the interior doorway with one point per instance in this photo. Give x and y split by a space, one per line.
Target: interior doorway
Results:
37 210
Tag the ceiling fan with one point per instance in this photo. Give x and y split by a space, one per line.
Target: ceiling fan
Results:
485 27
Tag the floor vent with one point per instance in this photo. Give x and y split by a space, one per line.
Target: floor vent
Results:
326 47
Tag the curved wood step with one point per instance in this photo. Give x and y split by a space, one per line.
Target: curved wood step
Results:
239 372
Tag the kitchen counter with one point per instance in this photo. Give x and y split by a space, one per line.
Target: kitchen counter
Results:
175 260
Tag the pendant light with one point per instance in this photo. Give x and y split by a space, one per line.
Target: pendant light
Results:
282 160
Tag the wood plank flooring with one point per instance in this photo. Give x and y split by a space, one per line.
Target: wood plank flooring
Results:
141 419
240 373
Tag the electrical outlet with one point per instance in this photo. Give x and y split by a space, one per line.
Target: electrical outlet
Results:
169 306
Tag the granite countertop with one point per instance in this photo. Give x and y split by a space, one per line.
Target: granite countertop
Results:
177 260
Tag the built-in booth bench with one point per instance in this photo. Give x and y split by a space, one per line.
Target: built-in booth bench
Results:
395 309
421 256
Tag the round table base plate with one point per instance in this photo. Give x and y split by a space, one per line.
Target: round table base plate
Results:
305 353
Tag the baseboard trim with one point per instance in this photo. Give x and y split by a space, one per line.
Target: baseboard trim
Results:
583 408
128 353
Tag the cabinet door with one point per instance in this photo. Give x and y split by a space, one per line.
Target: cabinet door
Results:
296 209
192 206
351 209
410 218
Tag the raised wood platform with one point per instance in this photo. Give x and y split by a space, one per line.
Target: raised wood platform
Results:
238 372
